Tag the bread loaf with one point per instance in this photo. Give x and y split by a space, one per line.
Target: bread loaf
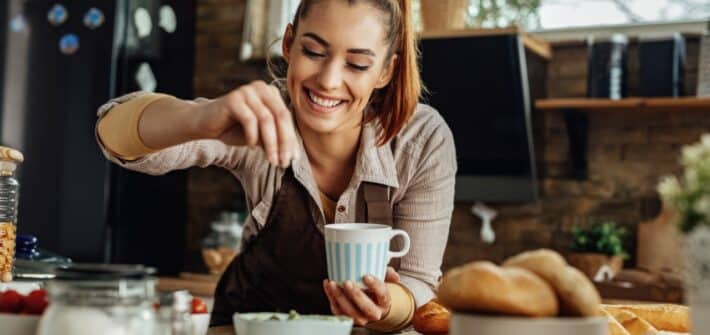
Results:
615 328
431 318
632 323
577 294
485 287
667 317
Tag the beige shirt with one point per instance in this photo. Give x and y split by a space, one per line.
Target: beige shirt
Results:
419 165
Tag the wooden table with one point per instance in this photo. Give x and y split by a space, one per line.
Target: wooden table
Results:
229 330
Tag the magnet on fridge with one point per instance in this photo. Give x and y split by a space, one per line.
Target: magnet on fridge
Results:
168 20
57 15
18 23
69 44
94 18
141 18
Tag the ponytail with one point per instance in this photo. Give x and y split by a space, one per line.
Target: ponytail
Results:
394 104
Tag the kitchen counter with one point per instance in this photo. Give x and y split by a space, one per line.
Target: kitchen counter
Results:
229 330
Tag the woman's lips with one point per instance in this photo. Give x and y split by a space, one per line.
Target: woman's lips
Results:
319 104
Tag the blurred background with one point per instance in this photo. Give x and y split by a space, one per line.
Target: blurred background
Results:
500 71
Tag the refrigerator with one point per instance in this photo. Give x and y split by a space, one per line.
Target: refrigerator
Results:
60 61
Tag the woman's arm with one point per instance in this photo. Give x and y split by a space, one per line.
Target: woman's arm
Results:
134 126
425 213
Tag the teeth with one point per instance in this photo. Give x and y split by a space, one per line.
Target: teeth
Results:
323 102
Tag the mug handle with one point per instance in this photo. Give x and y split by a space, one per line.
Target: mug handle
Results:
405 248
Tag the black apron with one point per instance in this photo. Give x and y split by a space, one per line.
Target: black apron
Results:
282 268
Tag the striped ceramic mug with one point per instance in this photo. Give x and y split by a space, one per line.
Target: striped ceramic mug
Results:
354 250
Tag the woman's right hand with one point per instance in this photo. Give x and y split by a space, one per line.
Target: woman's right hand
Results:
254 115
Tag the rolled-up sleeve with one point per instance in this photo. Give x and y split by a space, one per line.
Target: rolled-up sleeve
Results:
425 213
200 153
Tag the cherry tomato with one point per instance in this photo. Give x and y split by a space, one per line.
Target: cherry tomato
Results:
198 306
11 302
36 302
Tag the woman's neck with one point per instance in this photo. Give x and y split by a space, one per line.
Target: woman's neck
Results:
332 157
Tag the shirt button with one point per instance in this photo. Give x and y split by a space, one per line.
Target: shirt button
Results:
341 209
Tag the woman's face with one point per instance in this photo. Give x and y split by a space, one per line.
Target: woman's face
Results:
336 59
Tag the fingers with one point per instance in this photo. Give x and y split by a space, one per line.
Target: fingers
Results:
392 276
379 291
266 121
344 305
284 125
333 305
364 304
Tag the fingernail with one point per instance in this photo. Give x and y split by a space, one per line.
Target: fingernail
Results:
273 159
368 278
349 285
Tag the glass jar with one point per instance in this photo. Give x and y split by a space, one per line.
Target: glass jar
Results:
174 317
223 242
9 192
100 299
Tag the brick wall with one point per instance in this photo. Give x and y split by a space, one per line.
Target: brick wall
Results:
628 152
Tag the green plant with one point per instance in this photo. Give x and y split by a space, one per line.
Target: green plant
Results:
690 197
602 237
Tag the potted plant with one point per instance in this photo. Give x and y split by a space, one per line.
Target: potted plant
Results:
598 250
690 198
443 14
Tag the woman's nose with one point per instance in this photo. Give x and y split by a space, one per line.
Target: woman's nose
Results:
330 77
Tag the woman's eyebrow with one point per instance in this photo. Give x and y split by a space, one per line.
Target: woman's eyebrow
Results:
324 43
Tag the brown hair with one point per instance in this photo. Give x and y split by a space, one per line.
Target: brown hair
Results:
393 104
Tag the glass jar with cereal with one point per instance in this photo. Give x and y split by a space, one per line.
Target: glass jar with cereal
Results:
9 188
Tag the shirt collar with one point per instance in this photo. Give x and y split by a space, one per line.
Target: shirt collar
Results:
373 164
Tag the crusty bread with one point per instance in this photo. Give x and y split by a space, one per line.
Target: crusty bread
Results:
577 294
632 323
485 287
615 328
667 317
432 318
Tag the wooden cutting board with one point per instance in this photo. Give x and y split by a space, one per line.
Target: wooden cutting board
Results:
659 242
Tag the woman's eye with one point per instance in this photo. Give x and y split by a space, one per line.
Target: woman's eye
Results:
312 54
359 67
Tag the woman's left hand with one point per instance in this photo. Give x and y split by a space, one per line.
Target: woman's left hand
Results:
363 306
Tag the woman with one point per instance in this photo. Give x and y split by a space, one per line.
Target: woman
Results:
351 134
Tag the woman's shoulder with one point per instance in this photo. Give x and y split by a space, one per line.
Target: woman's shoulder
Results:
426 125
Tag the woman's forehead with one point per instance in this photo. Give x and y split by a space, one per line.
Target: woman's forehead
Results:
343 25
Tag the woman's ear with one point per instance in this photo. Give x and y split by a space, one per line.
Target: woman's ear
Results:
287 42
387 71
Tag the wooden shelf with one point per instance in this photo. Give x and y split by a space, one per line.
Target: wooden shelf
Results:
576 112
642 104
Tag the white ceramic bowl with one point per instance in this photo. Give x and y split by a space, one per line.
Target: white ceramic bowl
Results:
17 324
261 324
200 323
467 324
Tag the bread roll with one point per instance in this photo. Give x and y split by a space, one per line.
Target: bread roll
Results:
431 318
632 323
485 287
668 317
577 294
615 328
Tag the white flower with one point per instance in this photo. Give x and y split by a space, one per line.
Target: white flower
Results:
692 155
669 187
705 140
702 205
692 181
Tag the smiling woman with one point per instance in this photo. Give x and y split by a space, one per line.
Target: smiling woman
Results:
347 142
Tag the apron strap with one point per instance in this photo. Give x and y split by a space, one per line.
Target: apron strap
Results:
377 201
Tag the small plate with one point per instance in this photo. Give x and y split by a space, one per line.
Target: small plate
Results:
465 324
279 324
